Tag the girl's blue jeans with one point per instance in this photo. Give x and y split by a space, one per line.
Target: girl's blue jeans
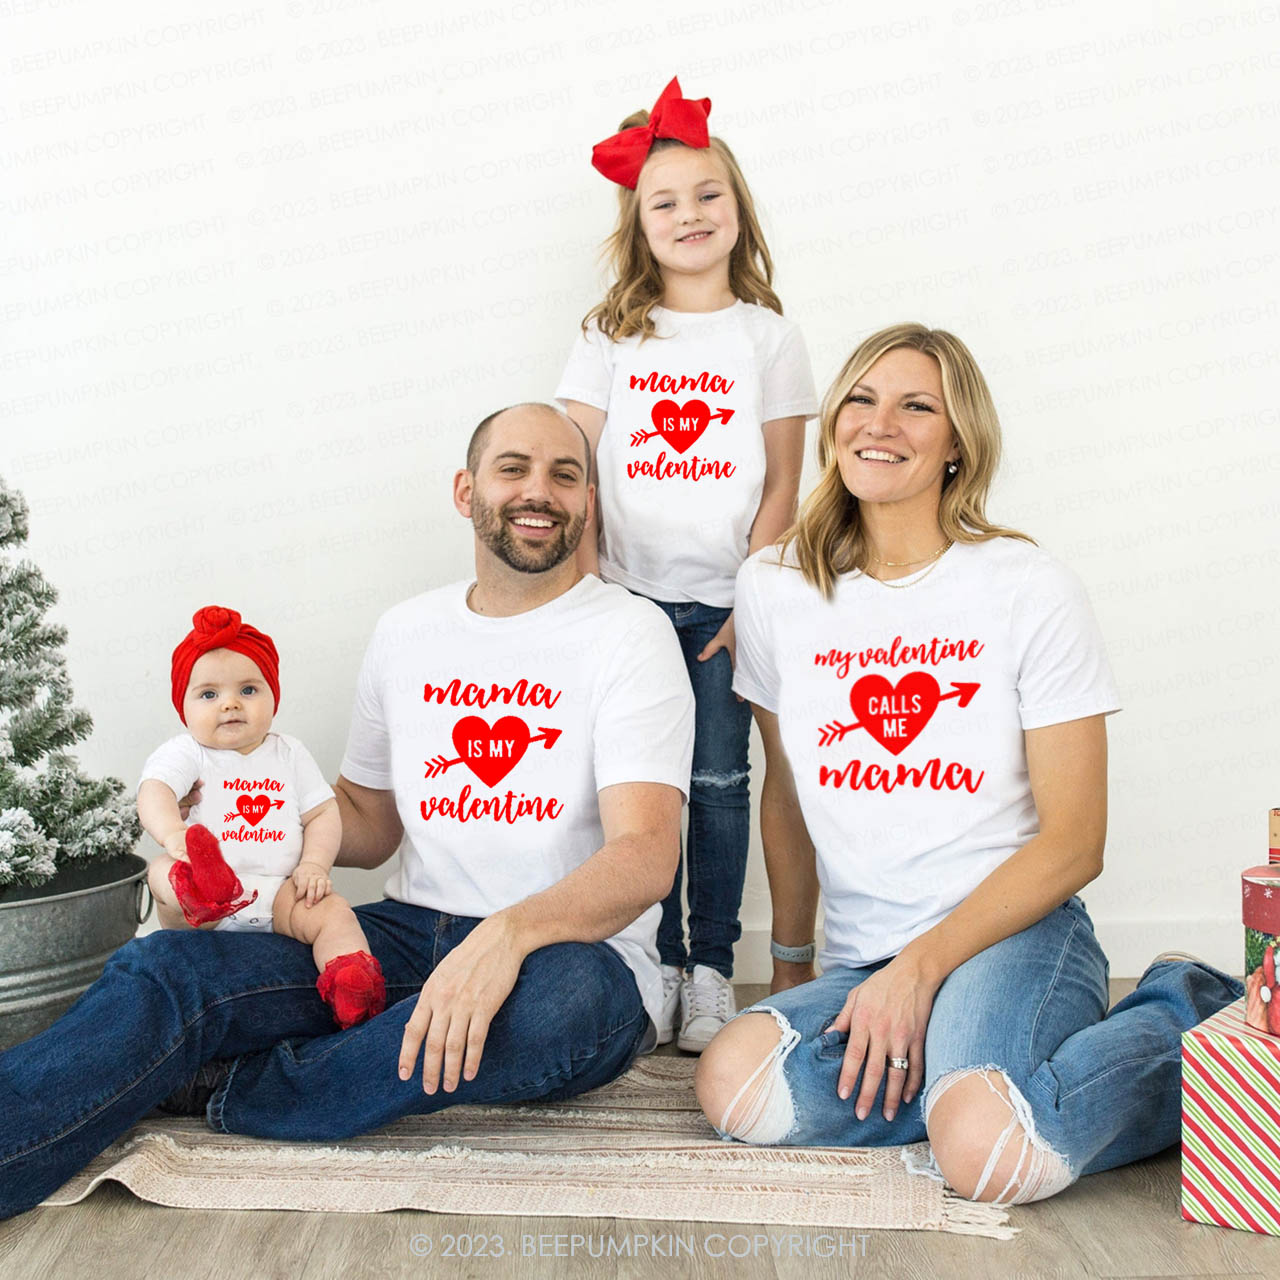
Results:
172 1000
715 853
1103 1088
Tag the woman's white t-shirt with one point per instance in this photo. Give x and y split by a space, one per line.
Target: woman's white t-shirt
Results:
496 735
902 712
681 455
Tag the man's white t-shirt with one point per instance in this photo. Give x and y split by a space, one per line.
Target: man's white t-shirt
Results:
253 803
681 456
902 711
496 734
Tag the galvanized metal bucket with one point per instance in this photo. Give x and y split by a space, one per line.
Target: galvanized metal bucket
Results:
55 940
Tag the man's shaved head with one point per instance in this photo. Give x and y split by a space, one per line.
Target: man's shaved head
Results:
480 436
529 474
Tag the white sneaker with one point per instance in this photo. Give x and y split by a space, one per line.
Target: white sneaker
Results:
672 981
1183 956
706 1004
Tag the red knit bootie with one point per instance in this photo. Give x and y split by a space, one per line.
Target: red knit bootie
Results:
206 887
353 987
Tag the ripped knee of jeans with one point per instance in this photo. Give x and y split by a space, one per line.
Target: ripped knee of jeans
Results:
761 1112
1016 1165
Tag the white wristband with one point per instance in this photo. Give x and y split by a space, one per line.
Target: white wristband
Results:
793 955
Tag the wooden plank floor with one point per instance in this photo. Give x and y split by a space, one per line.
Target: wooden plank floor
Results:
1124 1223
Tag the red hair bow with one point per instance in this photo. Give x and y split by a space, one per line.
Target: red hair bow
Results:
621 157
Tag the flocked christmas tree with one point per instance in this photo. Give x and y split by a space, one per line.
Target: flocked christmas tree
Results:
51 814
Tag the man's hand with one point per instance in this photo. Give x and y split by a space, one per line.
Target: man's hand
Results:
191 799
457 1004
311 882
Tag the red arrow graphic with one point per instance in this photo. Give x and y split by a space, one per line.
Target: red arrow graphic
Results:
639 437
440 764
835 731
235 813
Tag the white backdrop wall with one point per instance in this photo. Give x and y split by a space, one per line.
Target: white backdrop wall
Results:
264 267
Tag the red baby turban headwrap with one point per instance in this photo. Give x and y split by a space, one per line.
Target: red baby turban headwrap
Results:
214 627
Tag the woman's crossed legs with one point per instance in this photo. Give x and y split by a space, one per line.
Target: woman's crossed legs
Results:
1029 1082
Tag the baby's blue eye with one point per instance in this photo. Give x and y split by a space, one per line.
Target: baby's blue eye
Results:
206 693
248 690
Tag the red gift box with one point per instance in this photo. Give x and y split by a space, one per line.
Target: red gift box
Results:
1231 1124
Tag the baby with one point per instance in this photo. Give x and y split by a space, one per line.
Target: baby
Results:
268 802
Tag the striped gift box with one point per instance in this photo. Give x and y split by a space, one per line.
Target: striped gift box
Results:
1231 1124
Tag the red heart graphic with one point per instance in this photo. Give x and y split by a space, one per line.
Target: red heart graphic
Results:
895 715
491 754
253 811
680 427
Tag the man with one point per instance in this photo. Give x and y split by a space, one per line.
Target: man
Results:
525 742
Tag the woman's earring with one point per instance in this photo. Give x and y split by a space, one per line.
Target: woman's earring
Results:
952 468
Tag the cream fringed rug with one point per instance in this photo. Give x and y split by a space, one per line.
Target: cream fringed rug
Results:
630 1150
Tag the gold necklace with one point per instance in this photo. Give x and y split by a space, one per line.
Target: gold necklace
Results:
902 564
900 586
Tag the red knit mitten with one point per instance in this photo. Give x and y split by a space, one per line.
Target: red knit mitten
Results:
206 888
353 987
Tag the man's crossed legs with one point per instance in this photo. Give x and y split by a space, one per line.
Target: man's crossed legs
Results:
171 1001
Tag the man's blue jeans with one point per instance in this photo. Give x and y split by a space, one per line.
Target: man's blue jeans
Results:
719 803
170 1001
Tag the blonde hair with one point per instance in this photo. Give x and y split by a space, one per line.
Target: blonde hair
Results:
637 281
828 537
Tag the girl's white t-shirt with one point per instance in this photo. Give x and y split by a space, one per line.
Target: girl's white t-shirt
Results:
902 712
253 803
497 734
681 456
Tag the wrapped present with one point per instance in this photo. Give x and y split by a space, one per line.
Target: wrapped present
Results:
1231 1124
1273 837
1260 910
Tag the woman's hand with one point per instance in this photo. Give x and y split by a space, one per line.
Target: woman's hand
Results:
886 1017
311 882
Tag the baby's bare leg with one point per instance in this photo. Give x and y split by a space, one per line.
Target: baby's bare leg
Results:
168 912
330 926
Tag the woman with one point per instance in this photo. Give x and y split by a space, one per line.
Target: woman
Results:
931 690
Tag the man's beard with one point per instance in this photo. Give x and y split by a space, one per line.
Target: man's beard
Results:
497 534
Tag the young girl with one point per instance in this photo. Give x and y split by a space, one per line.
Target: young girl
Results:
268 801
694 392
